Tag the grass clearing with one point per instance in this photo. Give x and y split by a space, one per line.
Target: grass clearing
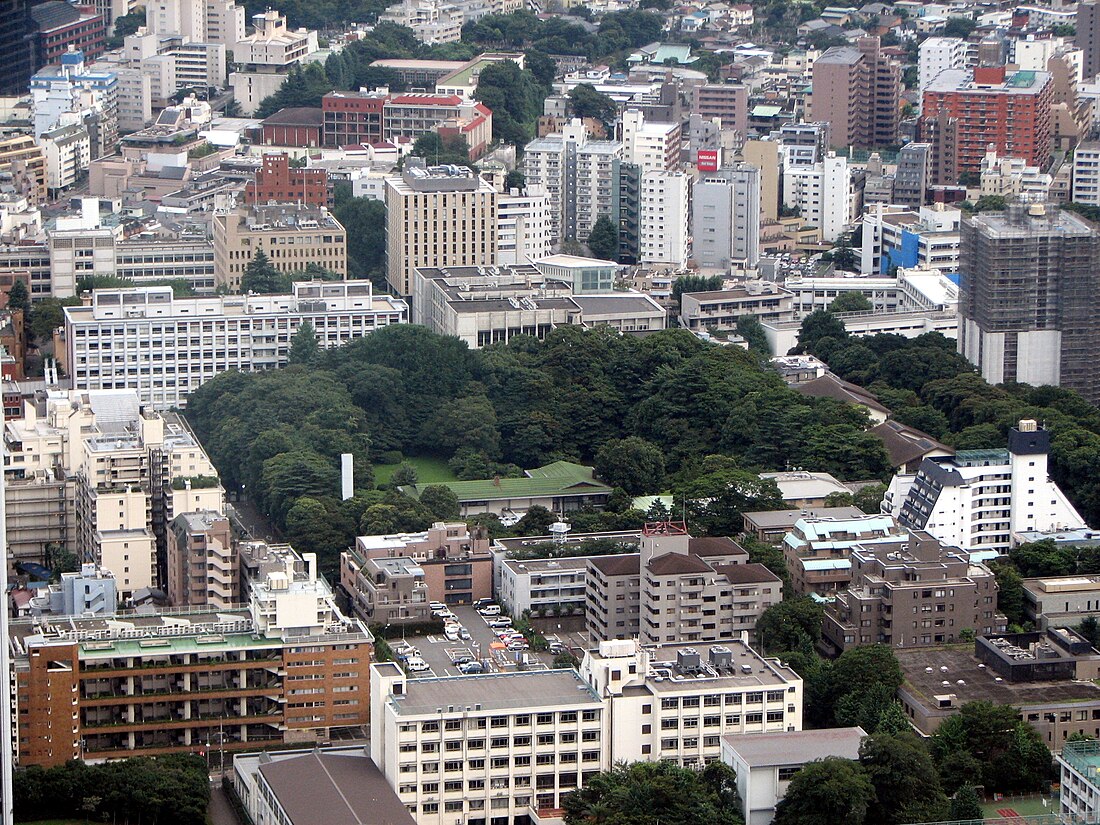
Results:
428 471
1023 806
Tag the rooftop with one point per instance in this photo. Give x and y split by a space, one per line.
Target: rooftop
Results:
496 691
925 675
764 750
333 788
765 519
558 478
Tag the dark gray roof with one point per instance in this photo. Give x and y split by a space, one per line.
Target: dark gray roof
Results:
796 747
495 691
334 789
296 116
53 14
606 304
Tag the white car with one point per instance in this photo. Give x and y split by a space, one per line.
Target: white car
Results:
464 634
496 624
416 664
437 606
517 646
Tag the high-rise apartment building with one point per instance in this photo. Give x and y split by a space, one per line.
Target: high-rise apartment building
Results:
913 175
653 146
1086 174
728 101
165 348
17 46
438 216
1087 37
725 213
938 54
820 191
286 667
580 177
524 226
665 204
912 592
199 21
1030 297
857 89
202 559
1011 113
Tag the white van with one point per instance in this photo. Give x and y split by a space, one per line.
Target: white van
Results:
451 632
490 610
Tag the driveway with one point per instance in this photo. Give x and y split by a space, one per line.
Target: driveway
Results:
220 811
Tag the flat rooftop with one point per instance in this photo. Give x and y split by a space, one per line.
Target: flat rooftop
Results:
765 519
496 691
796 747
980 683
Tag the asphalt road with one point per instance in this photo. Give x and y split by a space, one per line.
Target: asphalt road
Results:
220 811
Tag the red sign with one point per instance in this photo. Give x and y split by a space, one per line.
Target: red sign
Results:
707 160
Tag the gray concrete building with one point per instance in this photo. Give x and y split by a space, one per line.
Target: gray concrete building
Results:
726 217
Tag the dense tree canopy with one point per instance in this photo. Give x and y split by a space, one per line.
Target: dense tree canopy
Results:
170 790
647 793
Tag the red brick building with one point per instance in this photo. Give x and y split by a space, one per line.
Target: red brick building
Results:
1013 114
352 118
61 25
298 127
276 181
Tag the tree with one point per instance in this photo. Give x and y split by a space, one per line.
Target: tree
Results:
959 27
365 223
442 501
515 180
585 101
965 804
1006 751
839 500
831 790
1010 592
788 624
750 328
907 786
515 98
18 297
47 314
636 465
694 283
646 793
536 521
603 240
404 476
850 301
843 256
261 276
439 150
869 498
304 347
817 326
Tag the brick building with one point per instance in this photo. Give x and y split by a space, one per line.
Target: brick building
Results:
300 127
276 182
351 118
857 89
1011 113
63 25
285 668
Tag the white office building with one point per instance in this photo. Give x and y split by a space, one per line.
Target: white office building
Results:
198 21
652 146
523 226
979 499
510 744
822 193
165 347
664 234
726 218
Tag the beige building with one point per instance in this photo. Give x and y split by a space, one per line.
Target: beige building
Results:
21 154
677 589
292 237
440 216
111 475
202 562
265 58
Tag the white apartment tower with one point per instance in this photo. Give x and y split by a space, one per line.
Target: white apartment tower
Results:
980 499
651 146
938 54
665 201
579 175
523 233
1086 174
725 213
821 191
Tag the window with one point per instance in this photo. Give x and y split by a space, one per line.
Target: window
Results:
786 773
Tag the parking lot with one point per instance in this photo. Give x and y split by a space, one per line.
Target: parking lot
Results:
439 652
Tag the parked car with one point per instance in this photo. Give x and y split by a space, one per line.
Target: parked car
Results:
517 646
480 603
498 623
437 606
470 668
406 652
417 665
489 610
462 659
556 648
464 634
451 633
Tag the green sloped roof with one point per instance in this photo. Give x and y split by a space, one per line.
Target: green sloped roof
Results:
558 478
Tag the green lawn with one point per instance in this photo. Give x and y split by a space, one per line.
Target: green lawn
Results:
428 471
1028 806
